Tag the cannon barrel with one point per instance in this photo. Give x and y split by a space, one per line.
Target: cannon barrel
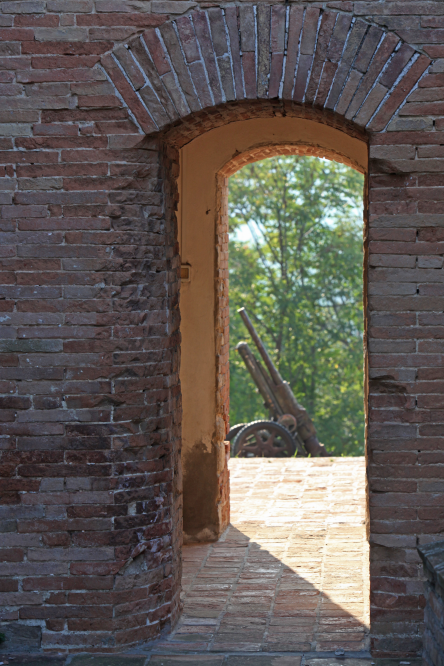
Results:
274 373
258 373
284 396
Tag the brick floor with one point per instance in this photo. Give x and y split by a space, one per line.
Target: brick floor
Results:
291 572
287 584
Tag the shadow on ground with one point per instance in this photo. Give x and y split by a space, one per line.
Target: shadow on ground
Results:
240 597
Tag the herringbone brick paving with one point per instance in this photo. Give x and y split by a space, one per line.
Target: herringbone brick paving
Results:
291 572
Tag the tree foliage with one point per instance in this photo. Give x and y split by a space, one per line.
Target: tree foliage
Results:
296 265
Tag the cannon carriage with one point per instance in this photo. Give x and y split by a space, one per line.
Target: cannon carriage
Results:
289 430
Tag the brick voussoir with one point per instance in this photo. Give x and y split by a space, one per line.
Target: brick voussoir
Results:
226 76
296 17
130 66
130 97
157 52
277 45
396 65
306 52
399 94
188 39
370 105
231 18
263 49
218 34
367 49
378 63
156 108
196 69
334 53
339 37
277 61
172 45
277 30
323 40
351 47
202 29
328 75
139 51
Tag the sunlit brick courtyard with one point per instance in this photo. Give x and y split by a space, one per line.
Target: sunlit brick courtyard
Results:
291 572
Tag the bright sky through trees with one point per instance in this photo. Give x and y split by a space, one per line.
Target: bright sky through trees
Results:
296 264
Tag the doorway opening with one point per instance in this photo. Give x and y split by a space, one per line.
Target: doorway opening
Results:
296 552
295 264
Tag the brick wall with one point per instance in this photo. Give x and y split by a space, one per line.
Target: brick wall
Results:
432 556
90 419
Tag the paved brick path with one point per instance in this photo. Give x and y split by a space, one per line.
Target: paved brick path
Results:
285 586
291 572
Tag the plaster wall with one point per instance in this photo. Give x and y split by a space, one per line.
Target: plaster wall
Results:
206 163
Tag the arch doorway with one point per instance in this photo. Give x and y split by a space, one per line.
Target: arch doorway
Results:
290 593
205 166
217 67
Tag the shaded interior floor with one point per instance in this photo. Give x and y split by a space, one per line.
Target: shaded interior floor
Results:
291 572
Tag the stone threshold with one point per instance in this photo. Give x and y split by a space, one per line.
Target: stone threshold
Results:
226 659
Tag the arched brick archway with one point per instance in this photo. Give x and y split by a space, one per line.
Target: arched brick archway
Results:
297 54
218 66
93 478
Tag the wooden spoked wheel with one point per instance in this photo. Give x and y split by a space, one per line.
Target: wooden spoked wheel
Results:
264 439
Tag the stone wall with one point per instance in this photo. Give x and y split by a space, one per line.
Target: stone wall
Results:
97 98
433 561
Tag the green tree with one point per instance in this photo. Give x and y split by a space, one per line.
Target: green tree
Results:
296 264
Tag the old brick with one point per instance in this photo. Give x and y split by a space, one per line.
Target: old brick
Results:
173 46
349 90
383 53
400 92
294 30
141 114
128 63
367 49
201 27
188 39
323 40
351 48
231 19
263 49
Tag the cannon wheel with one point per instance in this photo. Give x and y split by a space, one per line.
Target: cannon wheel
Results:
264 439
234 430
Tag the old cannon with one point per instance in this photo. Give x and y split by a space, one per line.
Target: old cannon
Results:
290 429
